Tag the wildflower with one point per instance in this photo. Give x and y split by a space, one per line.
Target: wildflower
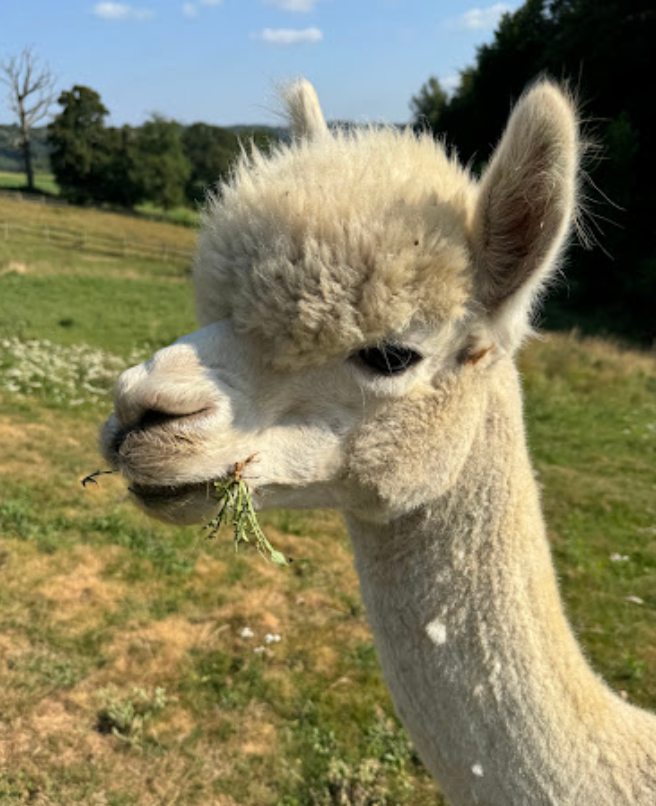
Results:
619 558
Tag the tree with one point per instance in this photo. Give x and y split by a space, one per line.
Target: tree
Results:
79 145
31 93
601 50
161 167
427 106
211 151
118 176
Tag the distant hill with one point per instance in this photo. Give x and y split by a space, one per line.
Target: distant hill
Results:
10 155
11 158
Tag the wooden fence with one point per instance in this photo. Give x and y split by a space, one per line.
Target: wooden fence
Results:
35 198
93 242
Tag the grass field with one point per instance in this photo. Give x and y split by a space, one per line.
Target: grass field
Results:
128 674
15 181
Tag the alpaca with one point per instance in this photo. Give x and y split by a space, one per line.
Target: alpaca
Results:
363 298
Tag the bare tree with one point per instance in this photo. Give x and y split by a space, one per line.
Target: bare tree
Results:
31 92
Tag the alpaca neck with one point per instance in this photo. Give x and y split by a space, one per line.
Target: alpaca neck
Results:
481 663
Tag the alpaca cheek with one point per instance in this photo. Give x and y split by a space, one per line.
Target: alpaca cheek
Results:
411 452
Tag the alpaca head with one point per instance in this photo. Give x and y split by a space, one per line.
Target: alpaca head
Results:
358 292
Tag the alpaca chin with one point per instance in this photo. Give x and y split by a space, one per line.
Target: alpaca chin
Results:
182 506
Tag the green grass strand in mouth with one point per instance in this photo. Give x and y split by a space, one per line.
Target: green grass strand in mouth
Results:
237 510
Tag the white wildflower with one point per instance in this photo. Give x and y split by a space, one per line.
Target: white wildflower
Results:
75 374
634 600
246 633
619 558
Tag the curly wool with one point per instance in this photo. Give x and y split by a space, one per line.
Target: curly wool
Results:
327 246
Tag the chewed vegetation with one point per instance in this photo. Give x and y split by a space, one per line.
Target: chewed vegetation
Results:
144 665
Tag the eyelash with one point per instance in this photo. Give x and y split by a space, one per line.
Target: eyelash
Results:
388 359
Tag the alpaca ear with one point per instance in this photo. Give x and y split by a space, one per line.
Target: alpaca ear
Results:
305 116
524 210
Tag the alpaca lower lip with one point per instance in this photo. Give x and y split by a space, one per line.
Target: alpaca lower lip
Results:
152 495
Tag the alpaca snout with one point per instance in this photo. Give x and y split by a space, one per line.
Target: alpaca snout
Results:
162 412
161 391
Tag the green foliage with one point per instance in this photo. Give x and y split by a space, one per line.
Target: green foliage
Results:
118 180
428 105
211 150
236 510
161 169
379 774
124 166
79 147
600 50
125 717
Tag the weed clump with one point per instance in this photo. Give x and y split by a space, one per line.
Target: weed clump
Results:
125 717
237 510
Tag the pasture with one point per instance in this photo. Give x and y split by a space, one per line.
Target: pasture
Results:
143 664
45 184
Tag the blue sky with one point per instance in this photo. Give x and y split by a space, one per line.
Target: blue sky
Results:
219 60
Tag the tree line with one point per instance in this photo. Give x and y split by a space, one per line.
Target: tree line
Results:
603 51
160 161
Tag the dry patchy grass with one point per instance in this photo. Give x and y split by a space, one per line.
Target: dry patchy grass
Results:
115 225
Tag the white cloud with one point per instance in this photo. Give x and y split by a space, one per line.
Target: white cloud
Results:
290 36
192 10
303 6
477 19
121 11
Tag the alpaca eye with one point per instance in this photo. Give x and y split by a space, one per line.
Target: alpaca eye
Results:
389 359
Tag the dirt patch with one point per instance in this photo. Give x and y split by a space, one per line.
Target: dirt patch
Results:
11 647
17 433
81 590
255 735
263 609
56 726
158 650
